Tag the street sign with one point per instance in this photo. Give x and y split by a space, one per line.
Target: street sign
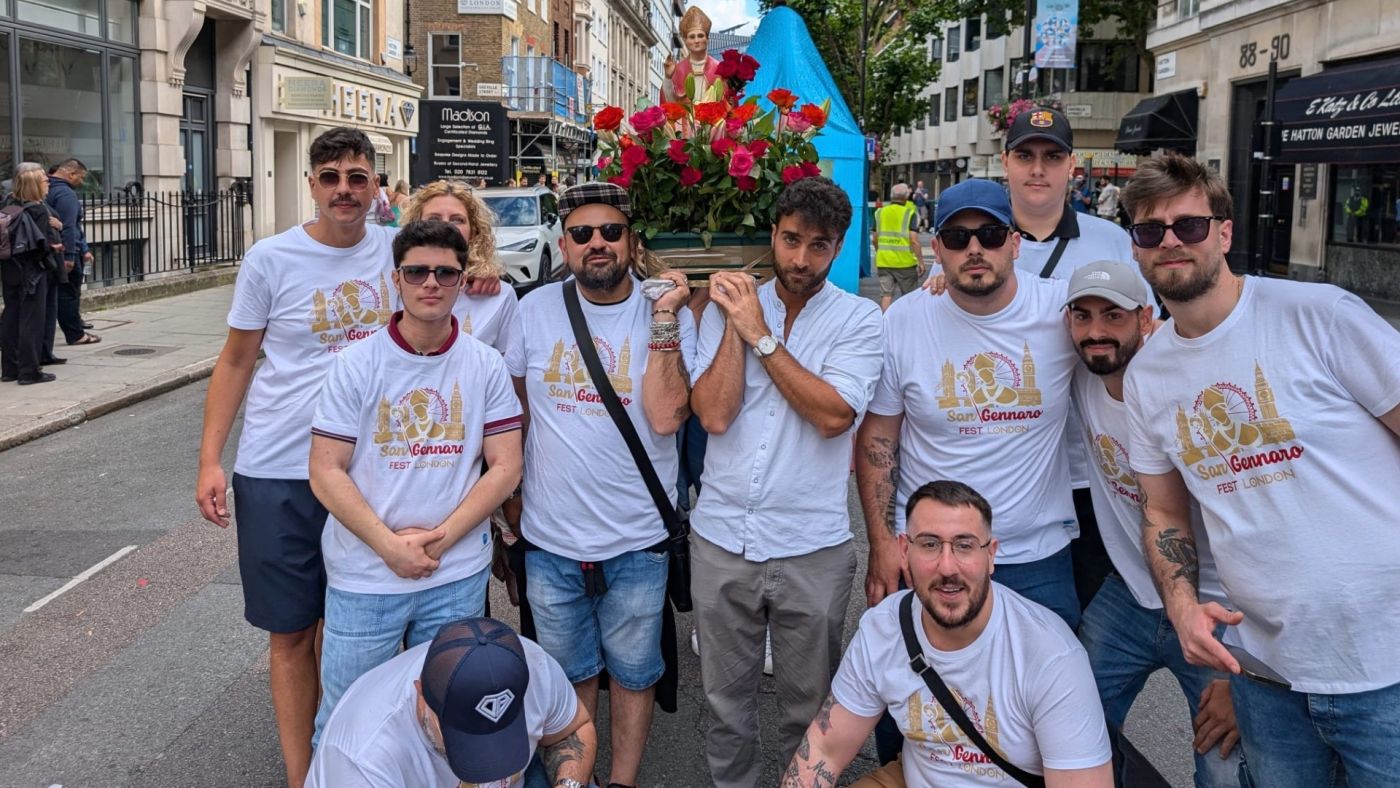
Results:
490 89
1079 110
462 140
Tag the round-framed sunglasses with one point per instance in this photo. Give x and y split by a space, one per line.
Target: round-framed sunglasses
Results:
991 236
1188 230
583 233
446 276
331 179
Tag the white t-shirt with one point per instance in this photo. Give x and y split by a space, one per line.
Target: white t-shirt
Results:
768 490
374 738
1271 419
984 400
584 498
418 424
495 320
1024 682
1118 500
313 301
1097 240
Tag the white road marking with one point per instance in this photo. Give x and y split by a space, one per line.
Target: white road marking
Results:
85 574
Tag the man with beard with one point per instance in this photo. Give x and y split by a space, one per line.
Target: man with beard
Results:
1021 677
784 371
1276 405
1125 630
596 561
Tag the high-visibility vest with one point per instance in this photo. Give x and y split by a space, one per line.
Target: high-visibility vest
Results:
893 223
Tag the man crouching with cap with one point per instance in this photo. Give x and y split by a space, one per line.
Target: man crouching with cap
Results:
471 708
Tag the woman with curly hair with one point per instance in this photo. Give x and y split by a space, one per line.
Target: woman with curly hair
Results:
493 316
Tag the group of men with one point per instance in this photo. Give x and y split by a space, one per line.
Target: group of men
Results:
370 420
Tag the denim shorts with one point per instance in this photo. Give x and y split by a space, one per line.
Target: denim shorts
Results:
619 631
279 524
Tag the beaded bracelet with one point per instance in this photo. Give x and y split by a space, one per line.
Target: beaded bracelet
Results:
665 347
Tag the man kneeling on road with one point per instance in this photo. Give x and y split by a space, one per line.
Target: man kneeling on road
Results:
1018 674
469 708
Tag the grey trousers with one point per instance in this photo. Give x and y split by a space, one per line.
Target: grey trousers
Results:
802 600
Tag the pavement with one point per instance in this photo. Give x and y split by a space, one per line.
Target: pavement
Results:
146 349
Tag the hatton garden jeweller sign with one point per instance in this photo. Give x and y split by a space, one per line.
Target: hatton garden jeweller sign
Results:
1346 115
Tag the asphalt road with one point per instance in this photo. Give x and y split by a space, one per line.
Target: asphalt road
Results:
145 674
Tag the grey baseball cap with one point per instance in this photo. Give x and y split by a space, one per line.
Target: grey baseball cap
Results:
1111 280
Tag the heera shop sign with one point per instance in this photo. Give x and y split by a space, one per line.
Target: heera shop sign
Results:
1350 115
462 140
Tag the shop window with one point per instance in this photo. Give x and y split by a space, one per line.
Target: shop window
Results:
445 65
61 91
1107 67
76 16
993 86
969 104
123 121
954 43
973 34
950 104
346 28
1365 205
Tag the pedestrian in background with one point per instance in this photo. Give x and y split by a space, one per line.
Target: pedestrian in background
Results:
899 262
62 198
398 198
28 277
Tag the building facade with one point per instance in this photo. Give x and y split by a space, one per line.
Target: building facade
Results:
1321 200
633 44
981 62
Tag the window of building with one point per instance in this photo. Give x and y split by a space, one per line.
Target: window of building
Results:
935 49
993 87
969 104
950 104
1365 205
444 65
84 17
1013 85
1107 67
1185 9
954 42
122 121
279 16
973 35
7 148
1051 80
346 27
933 109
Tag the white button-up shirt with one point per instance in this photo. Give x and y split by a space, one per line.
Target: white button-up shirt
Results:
773 486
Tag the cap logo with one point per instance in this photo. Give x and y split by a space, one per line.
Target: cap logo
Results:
1098 275
493 707
1042 119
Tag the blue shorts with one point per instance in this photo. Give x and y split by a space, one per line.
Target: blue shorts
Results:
619 631
279 524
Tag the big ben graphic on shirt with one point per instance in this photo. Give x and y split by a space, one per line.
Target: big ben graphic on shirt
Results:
992 389
1229 432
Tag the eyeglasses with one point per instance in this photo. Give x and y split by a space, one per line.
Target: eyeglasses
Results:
991 236
330 179
1188 230
583 233
965 548
446 276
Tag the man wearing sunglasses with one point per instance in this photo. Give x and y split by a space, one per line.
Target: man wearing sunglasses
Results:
302 296
1276 405
595 563
401 428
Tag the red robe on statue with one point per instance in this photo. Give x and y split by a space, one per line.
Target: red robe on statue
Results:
683 70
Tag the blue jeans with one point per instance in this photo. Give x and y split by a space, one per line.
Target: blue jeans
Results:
1048 582
1126 644
365 630
619 631
1312 740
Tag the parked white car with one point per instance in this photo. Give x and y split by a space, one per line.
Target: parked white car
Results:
528 230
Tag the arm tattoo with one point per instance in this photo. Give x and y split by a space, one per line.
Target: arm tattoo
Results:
822 777
824 714
792 777
1181 553
884 455
561 752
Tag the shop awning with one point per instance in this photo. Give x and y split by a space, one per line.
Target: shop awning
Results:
1166 121
1344 115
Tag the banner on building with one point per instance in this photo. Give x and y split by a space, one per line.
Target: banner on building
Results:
1056 33
1344 115
462 141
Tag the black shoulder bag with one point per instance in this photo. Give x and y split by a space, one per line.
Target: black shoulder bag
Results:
1131 769
677 544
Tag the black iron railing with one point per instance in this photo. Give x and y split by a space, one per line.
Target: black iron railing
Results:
134 234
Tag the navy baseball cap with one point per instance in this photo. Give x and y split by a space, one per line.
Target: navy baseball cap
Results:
974 194
1041 123
474 679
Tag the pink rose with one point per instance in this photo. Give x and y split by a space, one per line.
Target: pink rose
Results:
676 150
797 123
740 162
634 157
721 145
648 119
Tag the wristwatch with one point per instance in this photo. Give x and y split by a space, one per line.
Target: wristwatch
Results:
765 346
568 782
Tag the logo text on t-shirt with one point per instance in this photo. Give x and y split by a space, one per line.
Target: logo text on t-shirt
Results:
944 742
1229 433
421 424
569 384
353 310
991 393
1112 458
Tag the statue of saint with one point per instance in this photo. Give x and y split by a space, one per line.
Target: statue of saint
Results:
695 32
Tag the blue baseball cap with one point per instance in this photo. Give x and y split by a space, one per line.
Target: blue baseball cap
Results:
974 194
474 679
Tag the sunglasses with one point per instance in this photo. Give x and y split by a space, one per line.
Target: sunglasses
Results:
331 179
418 274
991 236
1190 230
583 233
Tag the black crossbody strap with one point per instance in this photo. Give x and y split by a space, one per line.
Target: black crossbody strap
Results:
584 338
1055 255
949 704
